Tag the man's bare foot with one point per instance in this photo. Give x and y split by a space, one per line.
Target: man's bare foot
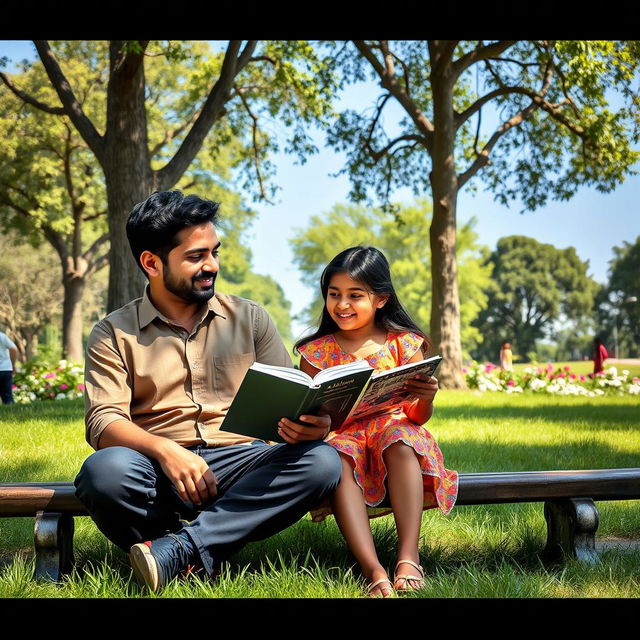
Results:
411 578
379 584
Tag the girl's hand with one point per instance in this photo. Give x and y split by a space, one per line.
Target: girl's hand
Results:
422 388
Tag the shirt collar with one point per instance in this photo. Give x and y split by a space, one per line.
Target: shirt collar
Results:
147 312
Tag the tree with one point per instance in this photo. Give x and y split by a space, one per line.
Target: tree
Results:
619 303
224 93
48 191
555 132
533 285
402 243
30 294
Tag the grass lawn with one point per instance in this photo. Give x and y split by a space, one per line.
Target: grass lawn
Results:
477 551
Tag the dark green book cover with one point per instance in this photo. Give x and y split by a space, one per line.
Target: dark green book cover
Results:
263 399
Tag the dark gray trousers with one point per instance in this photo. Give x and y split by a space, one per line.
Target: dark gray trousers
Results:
262 489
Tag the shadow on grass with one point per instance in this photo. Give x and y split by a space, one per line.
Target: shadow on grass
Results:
56 411
600 413
490 454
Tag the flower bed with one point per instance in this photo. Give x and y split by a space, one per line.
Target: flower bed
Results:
560 381
37 380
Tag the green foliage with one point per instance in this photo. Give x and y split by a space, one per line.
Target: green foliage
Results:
532 286
572 136
619 302
401 237
178 77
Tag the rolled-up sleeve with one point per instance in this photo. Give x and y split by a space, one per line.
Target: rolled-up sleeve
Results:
268 343
107 392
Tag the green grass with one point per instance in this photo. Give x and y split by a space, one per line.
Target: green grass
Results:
479 551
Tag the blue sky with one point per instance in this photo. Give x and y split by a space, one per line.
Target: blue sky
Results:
591 222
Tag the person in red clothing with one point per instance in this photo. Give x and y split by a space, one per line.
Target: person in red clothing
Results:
599 355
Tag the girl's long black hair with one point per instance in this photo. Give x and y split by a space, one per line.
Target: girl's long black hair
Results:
368 266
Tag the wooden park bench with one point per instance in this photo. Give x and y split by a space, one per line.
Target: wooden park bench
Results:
568 496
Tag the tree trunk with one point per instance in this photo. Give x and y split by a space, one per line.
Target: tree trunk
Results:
445 305
72 317
127 170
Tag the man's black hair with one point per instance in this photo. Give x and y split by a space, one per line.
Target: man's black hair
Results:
154 223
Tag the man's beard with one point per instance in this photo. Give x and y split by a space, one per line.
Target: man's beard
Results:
188 291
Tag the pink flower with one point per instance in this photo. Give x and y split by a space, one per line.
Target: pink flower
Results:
636 379
51 374
550 376
573 376
549 367
582 378
464 369
81 387
14 386
566 368
561 374
539 370
511 383
63 386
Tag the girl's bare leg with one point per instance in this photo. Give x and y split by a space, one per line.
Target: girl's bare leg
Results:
351 515
404 482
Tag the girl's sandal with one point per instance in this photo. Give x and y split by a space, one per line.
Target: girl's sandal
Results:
404 578
381 592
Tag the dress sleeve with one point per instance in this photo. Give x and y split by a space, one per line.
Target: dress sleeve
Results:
408 345
318 353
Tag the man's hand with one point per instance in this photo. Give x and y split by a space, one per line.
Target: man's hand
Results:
189 473
316 428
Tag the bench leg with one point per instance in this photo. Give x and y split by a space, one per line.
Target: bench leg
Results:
53 544
571 529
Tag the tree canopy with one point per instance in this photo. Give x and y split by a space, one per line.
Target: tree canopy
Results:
619 302
533 285
160 103
532 119
403 245
51 183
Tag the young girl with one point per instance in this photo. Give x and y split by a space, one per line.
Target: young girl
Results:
391 454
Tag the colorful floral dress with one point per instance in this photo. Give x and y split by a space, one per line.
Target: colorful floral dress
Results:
365 440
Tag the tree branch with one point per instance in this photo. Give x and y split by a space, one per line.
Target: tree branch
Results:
166 177
94 216
480 53
537 102
254 141
71 106
461 118
390 82
170 135
385 150
54 237
89 254
25 97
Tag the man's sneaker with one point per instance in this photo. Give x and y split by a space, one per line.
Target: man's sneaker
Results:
157 562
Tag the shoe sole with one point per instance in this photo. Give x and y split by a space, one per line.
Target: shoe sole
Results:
145 568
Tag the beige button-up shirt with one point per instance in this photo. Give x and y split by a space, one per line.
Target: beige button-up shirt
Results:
141 367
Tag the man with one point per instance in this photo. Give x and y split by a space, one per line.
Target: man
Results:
160 375
8 356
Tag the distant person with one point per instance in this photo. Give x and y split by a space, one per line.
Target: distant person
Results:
8 357
599 355
506 357
390 458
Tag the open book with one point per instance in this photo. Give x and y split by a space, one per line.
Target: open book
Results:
346 392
